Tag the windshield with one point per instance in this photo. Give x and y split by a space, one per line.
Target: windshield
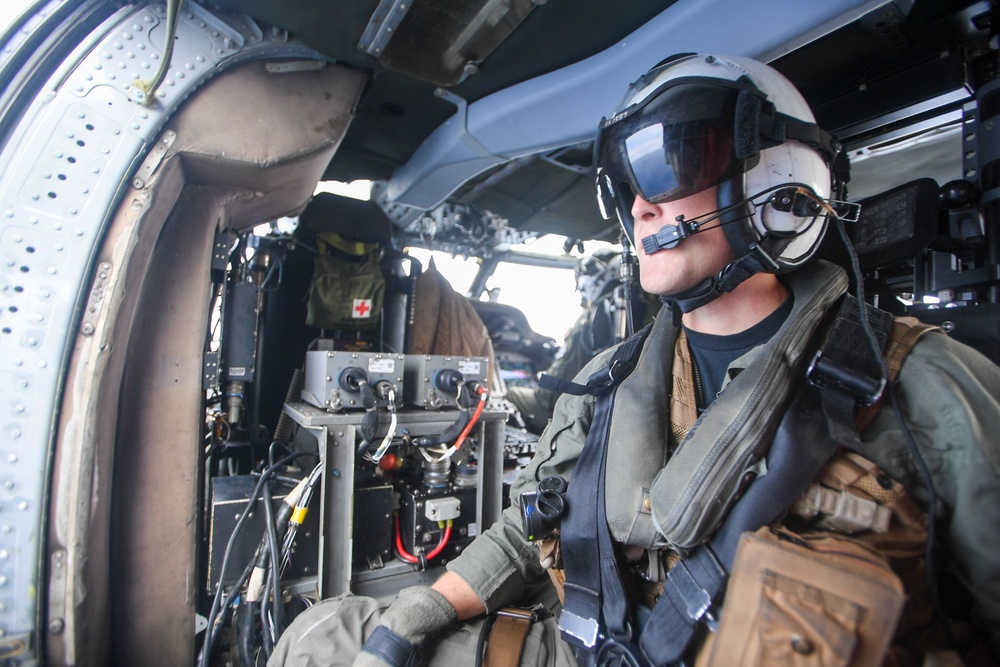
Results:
547 295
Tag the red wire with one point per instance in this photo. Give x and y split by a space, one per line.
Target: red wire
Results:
475 418
441 545
401 551
399 544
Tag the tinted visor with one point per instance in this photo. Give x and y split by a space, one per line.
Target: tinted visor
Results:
678 142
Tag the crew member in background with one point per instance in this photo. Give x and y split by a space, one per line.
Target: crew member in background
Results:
602 296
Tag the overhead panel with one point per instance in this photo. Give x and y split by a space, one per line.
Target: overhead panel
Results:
440 41
563 107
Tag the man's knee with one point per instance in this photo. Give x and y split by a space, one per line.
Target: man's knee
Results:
332 633
542 646
329 633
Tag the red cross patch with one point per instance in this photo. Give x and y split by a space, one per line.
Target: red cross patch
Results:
362 309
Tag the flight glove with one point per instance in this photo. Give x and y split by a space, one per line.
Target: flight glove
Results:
405 627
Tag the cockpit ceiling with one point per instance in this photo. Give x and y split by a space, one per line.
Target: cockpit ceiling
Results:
859 73
399 109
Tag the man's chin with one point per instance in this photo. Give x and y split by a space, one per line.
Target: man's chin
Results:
665 289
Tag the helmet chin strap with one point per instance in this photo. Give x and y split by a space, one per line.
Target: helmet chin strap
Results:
758 260
690 299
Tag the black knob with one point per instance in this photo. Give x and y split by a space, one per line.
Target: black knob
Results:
351 378
553 483
958 194
448 380
550 506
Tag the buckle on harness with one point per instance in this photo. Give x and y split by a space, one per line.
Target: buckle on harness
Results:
611 374
504 635
696 599
828 374
532 614
577 630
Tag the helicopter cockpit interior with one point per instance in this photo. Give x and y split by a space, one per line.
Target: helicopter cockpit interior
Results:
229 394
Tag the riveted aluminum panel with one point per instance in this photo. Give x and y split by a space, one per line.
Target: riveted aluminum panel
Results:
73 152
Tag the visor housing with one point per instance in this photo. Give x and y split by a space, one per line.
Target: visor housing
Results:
689 136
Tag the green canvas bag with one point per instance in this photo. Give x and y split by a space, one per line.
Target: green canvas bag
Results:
347 290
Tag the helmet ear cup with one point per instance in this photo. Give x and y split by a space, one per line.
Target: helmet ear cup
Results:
792 163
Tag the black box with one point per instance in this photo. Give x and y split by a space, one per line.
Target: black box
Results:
417 529
372 532
229 499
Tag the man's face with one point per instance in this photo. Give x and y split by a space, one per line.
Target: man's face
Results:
692 260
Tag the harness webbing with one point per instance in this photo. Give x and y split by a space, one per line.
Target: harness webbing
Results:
592 572
596 612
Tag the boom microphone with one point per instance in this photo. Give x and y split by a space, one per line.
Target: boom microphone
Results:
669 236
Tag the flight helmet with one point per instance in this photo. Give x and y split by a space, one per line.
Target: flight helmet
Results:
698 121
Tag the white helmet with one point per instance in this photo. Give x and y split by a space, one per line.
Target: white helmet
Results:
695 122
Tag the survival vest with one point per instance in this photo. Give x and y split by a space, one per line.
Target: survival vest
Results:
597 617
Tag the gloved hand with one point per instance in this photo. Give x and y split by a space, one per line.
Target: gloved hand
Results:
417 613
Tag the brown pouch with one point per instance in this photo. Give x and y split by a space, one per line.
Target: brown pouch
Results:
817 599
550 555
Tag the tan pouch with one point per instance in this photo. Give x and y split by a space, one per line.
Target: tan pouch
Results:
820 599
550 555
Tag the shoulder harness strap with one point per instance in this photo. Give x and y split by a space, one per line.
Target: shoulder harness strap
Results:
593 587
601 381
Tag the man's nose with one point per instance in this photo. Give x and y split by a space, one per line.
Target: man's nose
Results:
643 210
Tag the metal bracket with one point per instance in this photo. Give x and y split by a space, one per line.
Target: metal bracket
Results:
295 66
200 623
970 141
225 37
57 592
221 250
460 103
152 161
210 372
96 299
462 112
382 26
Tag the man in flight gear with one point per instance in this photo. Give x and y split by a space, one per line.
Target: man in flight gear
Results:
711 451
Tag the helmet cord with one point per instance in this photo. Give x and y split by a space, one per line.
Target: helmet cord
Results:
900 419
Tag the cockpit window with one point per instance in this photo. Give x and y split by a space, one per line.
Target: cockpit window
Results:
545 289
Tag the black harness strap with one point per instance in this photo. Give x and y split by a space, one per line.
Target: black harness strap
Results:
600 381
593 578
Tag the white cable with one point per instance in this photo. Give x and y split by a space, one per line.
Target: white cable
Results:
458 395
384 446
445 452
